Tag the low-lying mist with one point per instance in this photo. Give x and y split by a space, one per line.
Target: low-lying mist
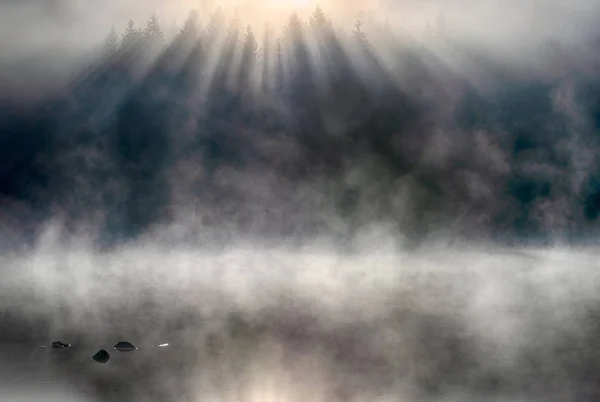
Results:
304 322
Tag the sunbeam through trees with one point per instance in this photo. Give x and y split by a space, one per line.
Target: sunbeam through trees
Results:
322 119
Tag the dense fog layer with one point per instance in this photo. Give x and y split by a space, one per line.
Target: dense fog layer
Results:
298 323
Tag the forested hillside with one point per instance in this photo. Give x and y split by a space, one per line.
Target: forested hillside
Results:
315 129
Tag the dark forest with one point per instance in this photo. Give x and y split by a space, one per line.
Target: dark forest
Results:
306 132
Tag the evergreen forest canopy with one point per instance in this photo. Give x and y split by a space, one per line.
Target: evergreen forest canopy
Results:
307 131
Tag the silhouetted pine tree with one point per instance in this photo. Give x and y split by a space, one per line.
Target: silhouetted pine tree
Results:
131 37
189 43
109 127
181 47
153 34
266 60
295 53
189 32
231 53
279 66
249 55
293 31
359 36
235 25
232 40
364 56
111 43
327 45
215 29
320 24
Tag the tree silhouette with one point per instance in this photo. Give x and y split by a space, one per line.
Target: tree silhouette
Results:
279 65
293 31
250 45
131 36
215 29
111 43
193 106
249 55
295 52
267 60
233 32
153 33
359 36
320 24
189 32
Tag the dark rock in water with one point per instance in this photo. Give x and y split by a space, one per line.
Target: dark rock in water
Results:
60 345
101 356
124 347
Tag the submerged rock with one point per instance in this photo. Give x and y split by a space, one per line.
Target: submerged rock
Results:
60 345
124 347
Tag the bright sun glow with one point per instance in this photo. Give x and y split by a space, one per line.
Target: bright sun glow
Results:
289 3
255 12
301 3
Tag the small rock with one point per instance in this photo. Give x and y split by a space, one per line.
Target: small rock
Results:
101 356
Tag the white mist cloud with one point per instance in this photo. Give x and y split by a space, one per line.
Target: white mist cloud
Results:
309 322
42 41
508 23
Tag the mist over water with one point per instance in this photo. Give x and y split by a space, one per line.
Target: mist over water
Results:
288 323
378 211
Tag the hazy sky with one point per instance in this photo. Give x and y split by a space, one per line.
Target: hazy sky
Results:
31 23
51 34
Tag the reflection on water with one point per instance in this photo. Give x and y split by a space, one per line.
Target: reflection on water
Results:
30 374
436 326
